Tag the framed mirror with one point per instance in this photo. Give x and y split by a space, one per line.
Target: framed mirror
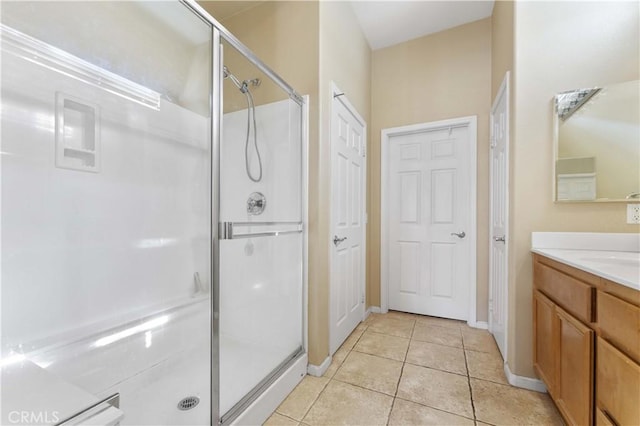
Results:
597 144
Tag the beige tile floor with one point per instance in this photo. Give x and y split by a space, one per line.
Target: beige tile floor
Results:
403 369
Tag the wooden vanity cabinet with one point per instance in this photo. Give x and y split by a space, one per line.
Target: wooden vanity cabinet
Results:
587 344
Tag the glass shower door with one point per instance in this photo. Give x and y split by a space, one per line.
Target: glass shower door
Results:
261 240
106 213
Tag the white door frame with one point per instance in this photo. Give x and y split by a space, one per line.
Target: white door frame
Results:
386 135
338 95
502 91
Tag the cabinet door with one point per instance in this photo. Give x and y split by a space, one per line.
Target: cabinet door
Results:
545 340
618 384
574 392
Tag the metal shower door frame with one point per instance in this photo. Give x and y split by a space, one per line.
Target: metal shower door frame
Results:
219 33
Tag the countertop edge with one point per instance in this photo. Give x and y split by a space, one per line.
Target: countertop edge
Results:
582 267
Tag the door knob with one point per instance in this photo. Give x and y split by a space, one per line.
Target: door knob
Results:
337 240
459 235
499 239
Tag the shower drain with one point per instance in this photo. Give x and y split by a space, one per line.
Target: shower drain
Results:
188 403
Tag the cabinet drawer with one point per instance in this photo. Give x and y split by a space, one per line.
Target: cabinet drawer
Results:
572 295
619 323
617 384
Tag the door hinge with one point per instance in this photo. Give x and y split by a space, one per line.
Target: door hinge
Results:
362 298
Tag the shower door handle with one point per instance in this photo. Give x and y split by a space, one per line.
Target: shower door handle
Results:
337 240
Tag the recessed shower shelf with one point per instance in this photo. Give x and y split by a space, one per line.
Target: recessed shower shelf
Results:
77 134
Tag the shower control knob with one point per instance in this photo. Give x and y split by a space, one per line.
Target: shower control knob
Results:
256 203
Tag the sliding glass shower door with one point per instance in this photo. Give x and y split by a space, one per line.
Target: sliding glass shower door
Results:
106 213
261 239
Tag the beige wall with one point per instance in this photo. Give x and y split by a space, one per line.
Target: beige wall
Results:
311 44
559 46
501 44
436 77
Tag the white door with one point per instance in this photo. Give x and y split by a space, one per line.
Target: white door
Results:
431 220
347 220
498 213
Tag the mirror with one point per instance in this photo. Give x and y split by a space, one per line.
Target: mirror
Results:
597 136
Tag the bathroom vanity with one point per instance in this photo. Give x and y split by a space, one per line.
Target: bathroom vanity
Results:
586 319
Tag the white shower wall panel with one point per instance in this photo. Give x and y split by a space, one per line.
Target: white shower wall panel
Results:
279 135
82 248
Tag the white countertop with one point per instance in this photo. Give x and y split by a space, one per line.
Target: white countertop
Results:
615 257
618 266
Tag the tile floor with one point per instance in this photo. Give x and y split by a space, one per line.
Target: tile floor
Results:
403 369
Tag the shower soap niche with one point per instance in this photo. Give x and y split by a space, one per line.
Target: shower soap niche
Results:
77 134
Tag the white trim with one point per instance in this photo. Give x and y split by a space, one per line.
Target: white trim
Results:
502 91
524 382
335 90
386 134
305 218
483 325
265 404
319 370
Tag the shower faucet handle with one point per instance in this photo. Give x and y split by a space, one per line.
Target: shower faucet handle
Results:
256 203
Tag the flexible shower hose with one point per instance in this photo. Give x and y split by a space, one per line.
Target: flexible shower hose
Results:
251 116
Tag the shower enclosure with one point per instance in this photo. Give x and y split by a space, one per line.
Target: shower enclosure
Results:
152 212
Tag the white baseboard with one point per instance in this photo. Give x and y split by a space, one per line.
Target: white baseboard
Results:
265 405
319 370
478 324
524 382
374 310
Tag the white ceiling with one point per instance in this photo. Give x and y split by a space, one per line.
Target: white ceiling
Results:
386 23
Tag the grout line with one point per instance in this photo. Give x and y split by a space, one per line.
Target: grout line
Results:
434 343
362 387
386 334
314 400
466 363
404 362
436 369
498 383
433 408
288 417
486 352
393 404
